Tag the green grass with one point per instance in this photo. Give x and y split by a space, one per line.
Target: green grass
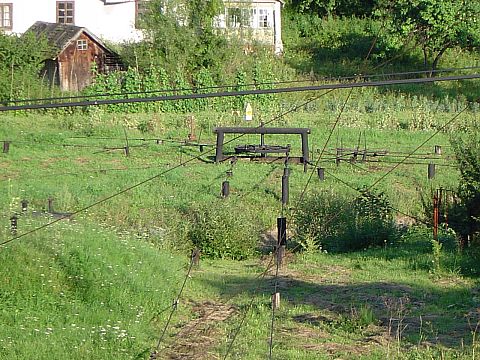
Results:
111 270
85 291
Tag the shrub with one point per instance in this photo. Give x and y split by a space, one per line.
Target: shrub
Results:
339 224
467 151
223 231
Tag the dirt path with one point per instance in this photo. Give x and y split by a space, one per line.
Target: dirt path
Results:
196 338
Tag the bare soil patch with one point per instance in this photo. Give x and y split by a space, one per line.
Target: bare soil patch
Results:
196 337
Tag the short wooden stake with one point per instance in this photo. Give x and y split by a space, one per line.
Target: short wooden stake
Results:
127 151
50 205
276 301
14 224
6 147
225 189
321 174
438 150
431 171
196 257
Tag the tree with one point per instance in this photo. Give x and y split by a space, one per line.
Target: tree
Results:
334 7
467 151
180 34
434 25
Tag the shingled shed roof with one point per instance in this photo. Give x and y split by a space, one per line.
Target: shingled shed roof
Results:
60 36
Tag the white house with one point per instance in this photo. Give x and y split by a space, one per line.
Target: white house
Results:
116 20
112 20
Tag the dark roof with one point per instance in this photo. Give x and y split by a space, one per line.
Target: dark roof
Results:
60 36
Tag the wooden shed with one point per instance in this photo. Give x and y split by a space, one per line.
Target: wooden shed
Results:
74 51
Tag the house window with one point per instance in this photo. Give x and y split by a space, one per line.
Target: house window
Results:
141 10
82 45
65 12
263 18
237 17
6 16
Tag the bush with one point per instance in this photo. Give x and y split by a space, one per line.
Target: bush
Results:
338 223
223 231
467 151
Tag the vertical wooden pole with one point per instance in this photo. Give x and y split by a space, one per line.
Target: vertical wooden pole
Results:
284 190
225 189
276 301
281 240
6 147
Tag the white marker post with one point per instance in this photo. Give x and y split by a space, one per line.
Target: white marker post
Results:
248 112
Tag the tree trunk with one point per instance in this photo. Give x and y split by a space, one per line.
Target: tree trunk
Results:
437 59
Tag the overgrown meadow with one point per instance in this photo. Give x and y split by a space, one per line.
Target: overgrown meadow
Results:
102 284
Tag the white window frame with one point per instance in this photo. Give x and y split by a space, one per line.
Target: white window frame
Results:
6 20
264 18
82 44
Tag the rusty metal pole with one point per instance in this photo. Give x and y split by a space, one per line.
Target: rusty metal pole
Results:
435 216
446 207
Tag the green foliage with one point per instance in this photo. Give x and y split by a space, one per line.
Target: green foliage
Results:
21 59
467 151
433 25
336 225
223 231
437 255
334 7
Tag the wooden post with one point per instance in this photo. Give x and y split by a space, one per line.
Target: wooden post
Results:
281 240
50 205
24 204
127 147
284 190
431 171
225 189
196 257
321 173
276 301
437 149
6 147
14 224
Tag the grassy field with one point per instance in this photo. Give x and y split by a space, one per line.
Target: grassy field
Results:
95 287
